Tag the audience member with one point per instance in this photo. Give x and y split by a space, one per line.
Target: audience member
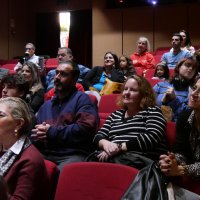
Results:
174 93
161 71
21 164
126 66
185 159
65 54
137 130
95 79
66 124
186 44
171 58
29 56
142 59
15 85
36 89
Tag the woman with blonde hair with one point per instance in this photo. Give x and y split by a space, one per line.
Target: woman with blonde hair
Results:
36 89
21 164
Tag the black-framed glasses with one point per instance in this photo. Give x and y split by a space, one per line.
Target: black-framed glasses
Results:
62 73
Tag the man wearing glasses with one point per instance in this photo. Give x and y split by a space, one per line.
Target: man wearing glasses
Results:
29 55
67 123
64 54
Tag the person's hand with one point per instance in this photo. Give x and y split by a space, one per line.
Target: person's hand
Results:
169 166
169 95
103 156
109 147
40 131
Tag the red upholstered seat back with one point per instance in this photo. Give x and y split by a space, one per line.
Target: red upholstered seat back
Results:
53 173
91 181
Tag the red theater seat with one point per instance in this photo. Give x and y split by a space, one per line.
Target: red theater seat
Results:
92 181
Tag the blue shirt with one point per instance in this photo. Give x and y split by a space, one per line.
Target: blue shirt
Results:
179 104
171 59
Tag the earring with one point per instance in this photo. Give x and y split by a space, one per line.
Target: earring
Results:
16 132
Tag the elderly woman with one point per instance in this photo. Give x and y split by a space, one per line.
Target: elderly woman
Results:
36 90
174 93
21 164
139 127
142 59
185 161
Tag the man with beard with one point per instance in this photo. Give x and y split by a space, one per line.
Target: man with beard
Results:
67 123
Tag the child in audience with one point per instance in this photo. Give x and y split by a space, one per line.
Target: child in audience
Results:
161 71
126 66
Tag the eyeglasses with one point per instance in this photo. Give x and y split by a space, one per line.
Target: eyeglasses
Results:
62 55
28 48
62 73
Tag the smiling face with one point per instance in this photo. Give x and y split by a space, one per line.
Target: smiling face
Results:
131 94
187 69
27 73
160 71
194 97
109 60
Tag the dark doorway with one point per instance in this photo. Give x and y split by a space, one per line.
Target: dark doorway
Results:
80 36
47 34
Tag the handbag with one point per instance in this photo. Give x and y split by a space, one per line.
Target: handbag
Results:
111 87
149 184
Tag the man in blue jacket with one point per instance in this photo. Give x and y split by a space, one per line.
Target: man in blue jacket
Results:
66 124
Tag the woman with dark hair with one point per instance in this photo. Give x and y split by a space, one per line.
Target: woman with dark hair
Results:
126 66
186 43
184 162
21 165
138 128
95 78
174 93
36 90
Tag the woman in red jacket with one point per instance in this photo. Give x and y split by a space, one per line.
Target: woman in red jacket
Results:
21 164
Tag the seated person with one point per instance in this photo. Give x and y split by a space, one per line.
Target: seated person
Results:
171 58
161 71
21 165
64 54
142 59
15 85
126 66
95 78
29 56
51 93
137 129
174 93
36 89
67 123
184 162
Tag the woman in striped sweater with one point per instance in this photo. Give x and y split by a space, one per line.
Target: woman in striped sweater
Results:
138 128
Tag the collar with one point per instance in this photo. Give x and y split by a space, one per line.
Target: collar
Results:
17 147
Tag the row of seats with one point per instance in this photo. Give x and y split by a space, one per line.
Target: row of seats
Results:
103 181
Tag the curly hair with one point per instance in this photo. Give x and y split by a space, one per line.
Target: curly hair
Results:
146 91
